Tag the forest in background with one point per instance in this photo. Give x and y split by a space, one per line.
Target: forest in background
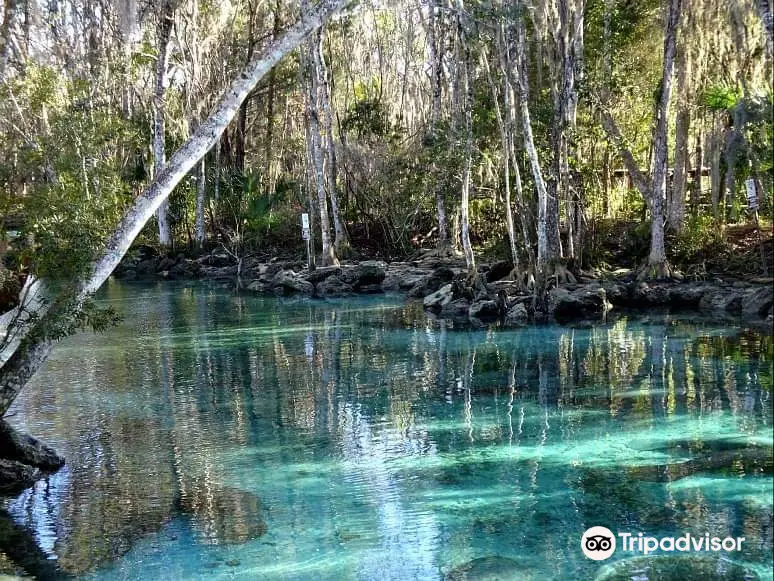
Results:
557 134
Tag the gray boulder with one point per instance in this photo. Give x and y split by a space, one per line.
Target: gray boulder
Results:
651 294
584 303
439 299
185 268
146 267
687 294
757 302
259 287
616 292
333 286
456 309
320 274
517 316
369 272
485 310
722 300
432 282
499 270
402 277
288 282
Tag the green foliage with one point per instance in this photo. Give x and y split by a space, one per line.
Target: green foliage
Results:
67 318
721 97
367 118
77 184
700 238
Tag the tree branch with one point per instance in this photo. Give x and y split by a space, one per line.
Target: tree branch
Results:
614 134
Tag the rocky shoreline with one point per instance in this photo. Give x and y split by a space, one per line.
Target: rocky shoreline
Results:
439 283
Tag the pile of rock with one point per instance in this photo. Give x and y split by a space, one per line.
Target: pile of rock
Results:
440 283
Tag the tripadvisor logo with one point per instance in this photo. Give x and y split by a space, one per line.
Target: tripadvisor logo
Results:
599 543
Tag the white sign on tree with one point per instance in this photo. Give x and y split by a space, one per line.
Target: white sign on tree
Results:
305 226
752 194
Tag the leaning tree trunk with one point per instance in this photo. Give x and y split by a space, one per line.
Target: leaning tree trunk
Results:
34 346
159 133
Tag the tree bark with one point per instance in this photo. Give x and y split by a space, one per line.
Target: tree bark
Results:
716 188
679 182
314 147
34 348
340 234
765 13
467 106
676 207
505 139
433 46
5 35
657 256
164 30
697 176
201 202
654 190
544 256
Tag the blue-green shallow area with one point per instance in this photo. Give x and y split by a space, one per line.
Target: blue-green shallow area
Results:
216 436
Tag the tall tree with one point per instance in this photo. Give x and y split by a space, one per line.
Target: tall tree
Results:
340 241
315 148
163 33
676 198
463 69
434 44
654 190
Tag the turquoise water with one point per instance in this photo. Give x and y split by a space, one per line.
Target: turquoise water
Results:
216 436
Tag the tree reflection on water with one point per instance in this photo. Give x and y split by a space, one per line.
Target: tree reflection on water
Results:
363 430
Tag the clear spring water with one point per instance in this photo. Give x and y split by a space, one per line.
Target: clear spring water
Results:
215 436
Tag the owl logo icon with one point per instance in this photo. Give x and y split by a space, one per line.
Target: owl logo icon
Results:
598 543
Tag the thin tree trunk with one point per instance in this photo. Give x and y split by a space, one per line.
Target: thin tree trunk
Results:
433 43
697 176
607 189
547 252
765 13
340 239
657 257
269 140
201 202
314 143
467 247
5 35
164 30
34 346
676 208
715 178
505 138
240 145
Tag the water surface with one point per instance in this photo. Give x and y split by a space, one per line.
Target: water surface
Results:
216 436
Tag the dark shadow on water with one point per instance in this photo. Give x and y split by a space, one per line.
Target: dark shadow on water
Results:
23 554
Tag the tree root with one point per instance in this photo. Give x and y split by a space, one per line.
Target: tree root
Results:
525 280
23 459
659 271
